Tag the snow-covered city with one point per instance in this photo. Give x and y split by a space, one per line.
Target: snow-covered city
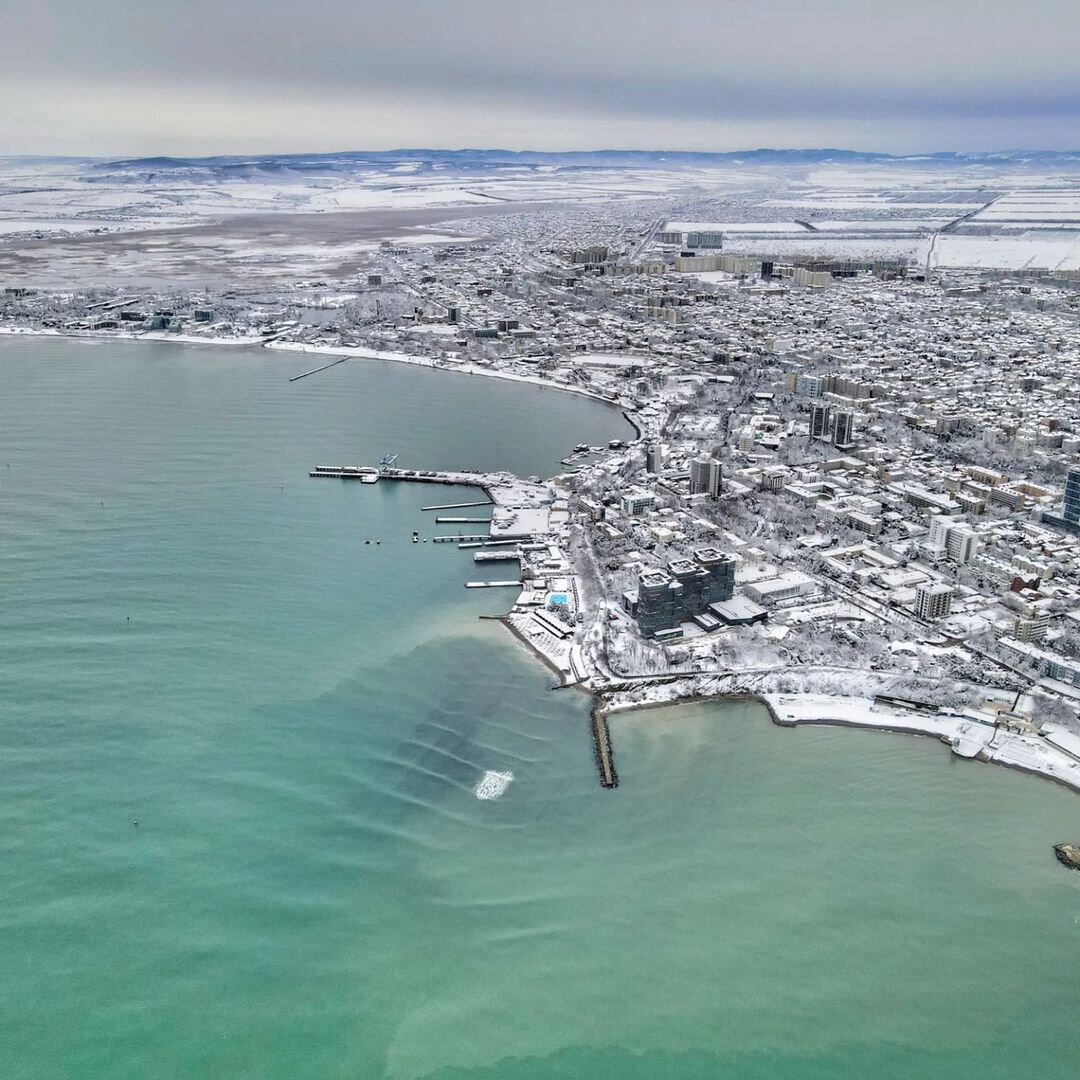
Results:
855 487
540 541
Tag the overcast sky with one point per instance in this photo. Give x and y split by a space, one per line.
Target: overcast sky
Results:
125 77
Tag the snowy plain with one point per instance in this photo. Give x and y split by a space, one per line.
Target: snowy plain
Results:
85 221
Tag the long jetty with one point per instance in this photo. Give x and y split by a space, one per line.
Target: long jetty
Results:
488 483
457 506
601 738
321 367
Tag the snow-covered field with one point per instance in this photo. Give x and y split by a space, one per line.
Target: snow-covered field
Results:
737 226
1007 250
91 222
71 195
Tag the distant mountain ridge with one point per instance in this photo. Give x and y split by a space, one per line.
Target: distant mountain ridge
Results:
479 158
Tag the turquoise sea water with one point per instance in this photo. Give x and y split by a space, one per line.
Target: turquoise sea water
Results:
196 637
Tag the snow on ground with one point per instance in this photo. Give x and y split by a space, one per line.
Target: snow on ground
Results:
1011 252
52 193
611 359
966 734
858 207
832 247
868 201
877 225
735 226
361 353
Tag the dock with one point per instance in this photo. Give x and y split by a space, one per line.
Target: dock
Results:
462 521
516 584
457 506
460 540
520 509
366 474
496 556
601 738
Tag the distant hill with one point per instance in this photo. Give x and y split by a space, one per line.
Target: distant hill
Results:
478 159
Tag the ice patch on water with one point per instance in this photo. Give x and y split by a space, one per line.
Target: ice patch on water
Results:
492 784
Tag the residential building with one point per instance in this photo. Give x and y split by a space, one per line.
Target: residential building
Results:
844 428
1071 510
667 598
706 475
636 501
819 421
954 537
933 601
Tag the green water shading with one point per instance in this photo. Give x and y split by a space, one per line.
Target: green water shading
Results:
195 636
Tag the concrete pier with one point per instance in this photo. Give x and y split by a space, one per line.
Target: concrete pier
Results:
457 506
601 738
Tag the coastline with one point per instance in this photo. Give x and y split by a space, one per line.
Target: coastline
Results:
966 735
364 353
357 352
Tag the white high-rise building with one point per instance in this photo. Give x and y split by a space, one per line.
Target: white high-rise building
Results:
956 538
811 385
654 458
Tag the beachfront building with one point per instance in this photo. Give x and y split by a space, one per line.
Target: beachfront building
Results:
686 588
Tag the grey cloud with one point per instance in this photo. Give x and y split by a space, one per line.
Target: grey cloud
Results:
684 61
